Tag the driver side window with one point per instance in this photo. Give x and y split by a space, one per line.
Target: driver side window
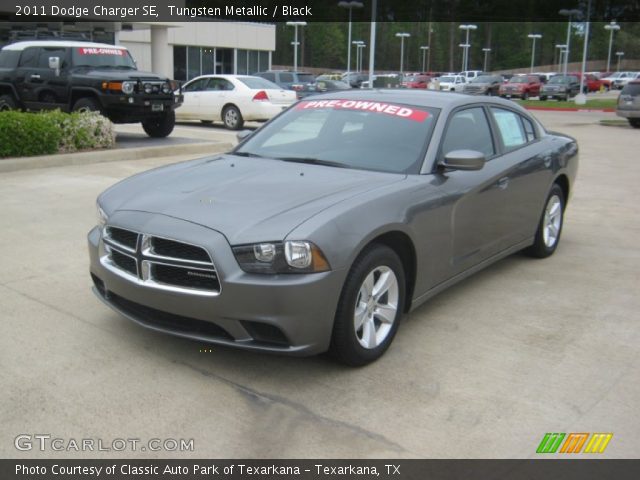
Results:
468 130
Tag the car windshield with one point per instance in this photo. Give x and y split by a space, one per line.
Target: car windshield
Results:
103 57
559 79
358 134
257 83
446 79
519 80
482 79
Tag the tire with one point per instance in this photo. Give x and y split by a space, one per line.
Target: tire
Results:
7 103
543 98
358 345
86 104
634 122
550 225
525 96
207 122
232 118
160 126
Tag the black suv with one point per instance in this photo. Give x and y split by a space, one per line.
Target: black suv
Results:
84 76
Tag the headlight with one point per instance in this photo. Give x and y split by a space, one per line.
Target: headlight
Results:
127 87
281 257
148 88
102 216
166 88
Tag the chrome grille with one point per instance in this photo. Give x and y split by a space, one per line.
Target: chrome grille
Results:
158 262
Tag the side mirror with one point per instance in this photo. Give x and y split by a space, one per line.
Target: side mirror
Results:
464 160
244 134
54 64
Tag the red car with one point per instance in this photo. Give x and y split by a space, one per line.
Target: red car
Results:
522 86
416 81
592 83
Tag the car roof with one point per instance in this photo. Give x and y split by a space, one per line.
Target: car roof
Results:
58 43
427 98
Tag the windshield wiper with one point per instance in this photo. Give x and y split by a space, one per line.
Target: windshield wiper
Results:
313 161
246 154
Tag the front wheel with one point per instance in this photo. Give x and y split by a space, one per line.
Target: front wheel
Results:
525 96
634 122
232 118
370 307
7 103
86 104
550 225
161 126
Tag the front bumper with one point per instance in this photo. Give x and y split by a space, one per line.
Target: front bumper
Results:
136 108
290 314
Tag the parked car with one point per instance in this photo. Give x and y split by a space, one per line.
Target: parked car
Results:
607 81
415 81
622 80
483 85
331 85
233 99
354 79
451 83
522 86
322 228
289 80
591 82
471 74
629 103
560 87
85 76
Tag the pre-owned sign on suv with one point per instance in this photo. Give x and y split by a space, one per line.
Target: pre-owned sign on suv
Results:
85 76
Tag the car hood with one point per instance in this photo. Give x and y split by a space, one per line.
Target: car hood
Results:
116 74
246 199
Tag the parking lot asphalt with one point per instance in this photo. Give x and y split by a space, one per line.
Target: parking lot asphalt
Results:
483 370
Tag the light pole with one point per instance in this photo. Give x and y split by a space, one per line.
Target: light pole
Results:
534 37
465 59
349 6
486 51
295 42
357 43
372 41
612 27
424 49
568 13
402 36
581 98
464 47
619 55
361 47
563 49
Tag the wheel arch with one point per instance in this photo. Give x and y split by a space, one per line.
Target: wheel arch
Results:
227 105
8 89
400 242
78 93
563 182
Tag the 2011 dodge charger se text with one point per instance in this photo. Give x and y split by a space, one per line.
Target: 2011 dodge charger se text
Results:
319 230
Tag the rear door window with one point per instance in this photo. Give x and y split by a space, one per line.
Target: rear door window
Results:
29 58
511 128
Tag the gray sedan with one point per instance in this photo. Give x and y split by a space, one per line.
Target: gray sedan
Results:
326 225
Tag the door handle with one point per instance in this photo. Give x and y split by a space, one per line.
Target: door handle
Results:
503 183
35 76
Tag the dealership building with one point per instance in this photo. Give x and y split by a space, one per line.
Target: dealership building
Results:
180 50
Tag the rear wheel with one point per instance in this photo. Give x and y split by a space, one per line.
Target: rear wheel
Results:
232 118
370 307
634 122
160 126
525 96
543 98
550 225
7 103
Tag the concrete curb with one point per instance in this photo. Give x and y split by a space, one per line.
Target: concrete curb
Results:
114 155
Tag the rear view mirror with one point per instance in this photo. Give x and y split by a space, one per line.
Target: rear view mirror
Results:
242 135
54 64
464 160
